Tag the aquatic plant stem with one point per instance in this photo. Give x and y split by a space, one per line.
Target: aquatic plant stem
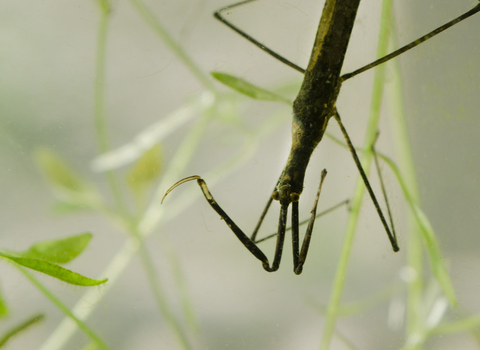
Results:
99 101
414 252
159 294
372 127
64 308
179 52
20 328
415 319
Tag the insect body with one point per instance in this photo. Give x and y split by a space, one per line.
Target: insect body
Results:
315 103
312 109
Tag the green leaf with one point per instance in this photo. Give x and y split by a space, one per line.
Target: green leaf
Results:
58 171
3 307
61 208
90 346
59 251
248 89
463 325
54 270
145 171
66 184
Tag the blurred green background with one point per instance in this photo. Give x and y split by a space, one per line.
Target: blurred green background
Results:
47 77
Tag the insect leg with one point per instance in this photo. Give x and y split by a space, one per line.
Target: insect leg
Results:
413 43
382 185
345 202
218 15
246 241
302 256
391 237
282 224
260 221
295 235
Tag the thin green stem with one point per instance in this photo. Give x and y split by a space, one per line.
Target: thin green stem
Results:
21 327
84 307
63 308
419 227
91 298
153 214
157 27
99 93
181 285
90 346
415 331
333 307
86 304
99 104
153 278
159 295
414 322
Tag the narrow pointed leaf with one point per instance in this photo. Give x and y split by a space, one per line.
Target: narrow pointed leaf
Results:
146 170
67 185
62 207
54 270
59 251
3 306
57 171
248 89
463 325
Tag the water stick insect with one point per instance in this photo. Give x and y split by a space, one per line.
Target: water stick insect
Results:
313 107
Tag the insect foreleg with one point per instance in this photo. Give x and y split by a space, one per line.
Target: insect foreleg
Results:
246 241
262 217
302 256
282 224
345 202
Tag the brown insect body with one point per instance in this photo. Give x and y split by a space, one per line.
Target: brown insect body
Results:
315 103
